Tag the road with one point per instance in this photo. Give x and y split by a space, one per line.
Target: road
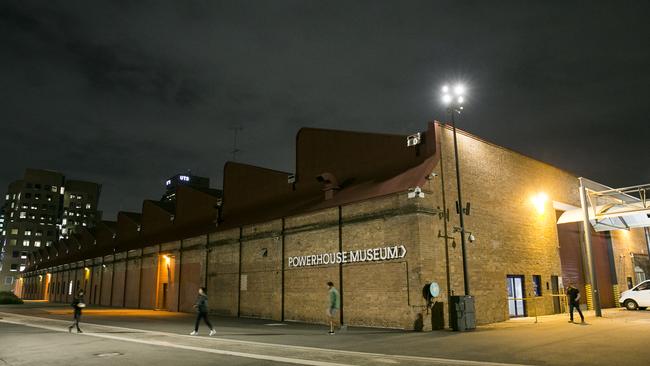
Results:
36 333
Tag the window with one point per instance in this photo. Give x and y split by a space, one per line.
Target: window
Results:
23 255
643 286
15 254
88 206
37 243
49 233
537 285
23 214
14 267
14 231
37 186
12 242
28 195
28 232
22 267
38 233
37 196
79 197
54 189
639 274
72 196
7 197
25 243
48 243
9 280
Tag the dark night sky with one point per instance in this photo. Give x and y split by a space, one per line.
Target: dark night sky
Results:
127 93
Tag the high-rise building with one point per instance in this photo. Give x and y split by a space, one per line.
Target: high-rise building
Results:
32 217
187 179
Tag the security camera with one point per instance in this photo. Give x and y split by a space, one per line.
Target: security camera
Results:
471 238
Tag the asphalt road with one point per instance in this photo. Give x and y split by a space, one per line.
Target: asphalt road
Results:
36 333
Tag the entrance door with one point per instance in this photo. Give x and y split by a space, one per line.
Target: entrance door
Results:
516 304
555 288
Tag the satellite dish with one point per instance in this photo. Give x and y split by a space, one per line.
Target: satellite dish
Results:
434 289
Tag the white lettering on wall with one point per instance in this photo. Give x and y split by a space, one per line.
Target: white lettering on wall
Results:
352 256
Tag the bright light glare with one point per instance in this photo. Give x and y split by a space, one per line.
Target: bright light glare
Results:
446 98
461 99
539 200
459 89
445 89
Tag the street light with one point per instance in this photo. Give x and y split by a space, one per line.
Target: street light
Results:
453 98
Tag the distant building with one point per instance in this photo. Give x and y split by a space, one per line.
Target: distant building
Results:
32 217
189 180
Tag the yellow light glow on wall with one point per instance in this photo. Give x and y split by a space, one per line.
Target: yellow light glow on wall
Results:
539 201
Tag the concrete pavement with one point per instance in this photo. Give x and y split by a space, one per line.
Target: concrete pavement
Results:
131 336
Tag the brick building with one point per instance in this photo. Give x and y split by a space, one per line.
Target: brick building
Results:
351 213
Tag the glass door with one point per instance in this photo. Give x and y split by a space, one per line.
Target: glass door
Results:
516 304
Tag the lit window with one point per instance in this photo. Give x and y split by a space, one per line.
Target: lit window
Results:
14 231
62 190
12 242
7 197
23 214
25 243
37 243
79 197
9 280
28 232
14 267
54 188
48 243
22 267
23 255
87 206
65 221
38 233
13 204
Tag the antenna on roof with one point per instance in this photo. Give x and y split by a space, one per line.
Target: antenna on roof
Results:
235 150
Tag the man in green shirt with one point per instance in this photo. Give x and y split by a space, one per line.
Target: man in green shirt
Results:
334 304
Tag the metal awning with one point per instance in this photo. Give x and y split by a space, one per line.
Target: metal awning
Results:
612 208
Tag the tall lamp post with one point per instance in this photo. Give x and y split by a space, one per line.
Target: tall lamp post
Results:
453 98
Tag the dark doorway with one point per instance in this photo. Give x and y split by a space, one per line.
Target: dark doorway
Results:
555 290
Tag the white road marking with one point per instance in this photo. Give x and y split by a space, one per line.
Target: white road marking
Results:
375 356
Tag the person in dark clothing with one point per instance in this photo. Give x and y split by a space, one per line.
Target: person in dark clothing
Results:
77 305
573 297
201 306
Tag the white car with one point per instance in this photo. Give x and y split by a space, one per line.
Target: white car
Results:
636 298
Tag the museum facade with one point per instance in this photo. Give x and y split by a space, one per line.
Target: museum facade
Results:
370 212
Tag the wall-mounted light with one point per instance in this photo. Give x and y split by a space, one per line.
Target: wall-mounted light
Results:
539 201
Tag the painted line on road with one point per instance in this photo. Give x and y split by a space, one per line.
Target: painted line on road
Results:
433 360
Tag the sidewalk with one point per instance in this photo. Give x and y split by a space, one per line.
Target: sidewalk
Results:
520 341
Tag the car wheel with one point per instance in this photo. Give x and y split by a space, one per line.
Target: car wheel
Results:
631 305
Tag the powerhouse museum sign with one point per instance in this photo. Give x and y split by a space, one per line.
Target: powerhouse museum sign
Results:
352 256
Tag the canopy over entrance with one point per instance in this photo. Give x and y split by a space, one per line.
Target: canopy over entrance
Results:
613 208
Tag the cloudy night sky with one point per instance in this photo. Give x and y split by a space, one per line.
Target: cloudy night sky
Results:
128 93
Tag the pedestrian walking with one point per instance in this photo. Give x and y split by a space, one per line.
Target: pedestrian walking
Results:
333 305
573 297
77 305
201 306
